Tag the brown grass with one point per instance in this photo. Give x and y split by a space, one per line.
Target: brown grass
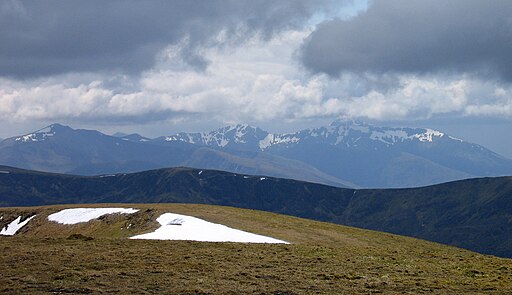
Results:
322 259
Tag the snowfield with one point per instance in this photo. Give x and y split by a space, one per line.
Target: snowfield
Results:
183 227
14 226
78 215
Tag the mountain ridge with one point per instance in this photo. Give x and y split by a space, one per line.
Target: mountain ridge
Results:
363 154
472 214
345 153
61 149
337 133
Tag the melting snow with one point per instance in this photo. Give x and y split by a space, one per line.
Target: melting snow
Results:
286 138
77 215
39 135
266 142
190 139
108 175
223 142
14 226
183 227
428 135
26 138
390 136
455 138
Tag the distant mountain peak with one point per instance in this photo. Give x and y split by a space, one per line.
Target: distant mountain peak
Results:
43 134
387 135
428 135
240 134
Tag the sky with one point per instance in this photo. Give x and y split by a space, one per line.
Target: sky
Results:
160 67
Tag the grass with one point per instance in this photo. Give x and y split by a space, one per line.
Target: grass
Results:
323 258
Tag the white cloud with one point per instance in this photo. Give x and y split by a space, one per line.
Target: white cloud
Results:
257 82
26 101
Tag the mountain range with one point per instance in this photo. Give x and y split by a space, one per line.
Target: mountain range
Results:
474 214
344 154
61 149
363 154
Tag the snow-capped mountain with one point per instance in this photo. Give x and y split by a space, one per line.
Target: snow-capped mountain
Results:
58 148
42 134
367 155
345 153
241 137
339 133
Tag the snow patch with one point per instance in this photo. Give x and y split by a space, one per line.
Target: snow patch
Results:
223 142
266 142
286 139
241 131
455 138
78 215
14 226
263 178
200 172
27 138
428 135
5 172
390 136
39 135
183 227
190 139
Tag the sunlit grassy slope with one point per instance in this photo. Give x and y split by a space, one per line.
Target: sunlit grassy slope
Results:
323 258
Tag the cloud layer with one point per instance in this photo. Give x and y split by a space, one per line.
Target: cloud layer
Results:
52 37
261 62
256 83
415 36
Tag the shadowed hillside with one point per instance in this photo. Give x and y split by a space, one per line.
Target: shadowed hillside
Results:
472 214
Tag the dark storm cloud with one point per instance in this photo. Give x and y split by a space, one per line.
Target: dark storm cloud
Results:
417 36
48 37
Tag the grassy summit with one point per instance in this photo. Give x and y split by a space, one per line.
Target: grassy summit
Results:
94 257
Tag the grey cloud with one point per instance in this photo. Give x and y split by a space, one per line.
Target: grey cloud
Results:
50 37
417 36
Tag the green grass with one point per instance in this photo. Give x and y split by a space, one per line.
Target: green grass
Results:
322 259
